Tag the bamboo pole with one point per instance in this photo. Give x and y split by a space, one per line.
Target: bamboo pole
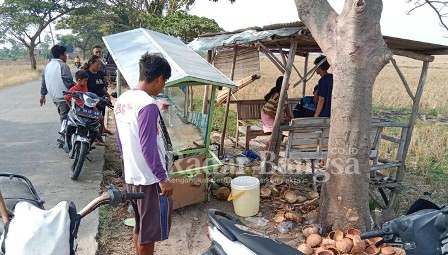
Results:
413 118
273 59
280 50
310 72
414 55
305 69
274 146
403 79
232 75
3 210
207 87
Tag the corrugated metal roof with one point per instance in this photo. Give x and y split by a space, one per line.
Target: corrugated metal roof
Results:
188 68
305 40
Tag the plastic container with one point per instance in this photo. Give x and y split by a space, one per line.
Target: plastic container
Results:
245 195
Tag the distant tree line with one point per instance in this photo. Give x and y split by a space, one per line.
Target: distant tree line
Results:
22 22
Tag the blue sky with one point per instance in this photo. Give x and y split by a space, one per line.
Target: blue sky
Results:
421 25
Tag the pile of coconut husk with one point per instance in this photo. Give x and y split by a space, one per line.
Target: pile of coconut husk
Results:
338 242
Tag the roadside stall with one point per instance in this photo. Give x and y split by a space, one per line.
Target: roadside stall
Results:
189 131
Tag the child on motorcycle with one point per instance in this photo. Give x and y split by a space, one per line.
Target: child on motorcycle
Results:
81 85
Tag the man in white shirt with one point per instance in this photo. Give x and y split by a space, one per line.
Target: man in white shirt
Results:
57 78
141 143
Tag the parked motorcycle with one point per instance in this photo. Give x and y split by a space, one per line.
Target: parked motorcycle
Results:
82 127
25 234
422 231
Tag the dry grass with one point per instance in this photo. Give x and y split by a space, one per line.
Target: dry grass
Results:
17 72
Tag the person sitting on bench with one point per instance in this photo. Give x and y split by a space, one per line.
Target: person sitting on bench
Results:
307 106
269 110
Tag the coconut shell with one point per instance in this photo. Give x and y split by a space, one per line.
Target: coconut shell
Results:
399 251
334 250
318 250
372 250
301 199
387 251
223 193
305 249
353 231
279 217
276 179
293 216
328 242
374 240
358 245
314 240
307 230
325 252
338 235
344 246
226 181
290 196
265 192
274 190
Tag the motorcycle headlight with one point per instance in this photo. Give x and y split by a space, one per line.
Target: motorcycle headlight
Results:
90 102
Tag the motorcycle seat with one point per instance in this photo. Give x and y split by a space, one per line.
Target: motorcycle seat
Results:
257 243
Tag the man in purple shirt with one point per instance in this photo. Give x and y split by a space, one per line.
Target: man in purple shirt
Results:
145 153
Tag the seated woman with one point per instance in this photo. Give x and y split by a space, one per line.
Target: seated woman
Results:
307 106
270 108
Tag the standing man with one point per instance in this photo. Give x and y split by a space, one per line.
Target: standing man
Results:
57 78
324 88
98 51
141 142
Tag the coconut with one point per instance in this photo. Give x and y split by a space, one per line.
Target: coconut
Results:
293 216
279 217
276 179
265 192
358 245
222 193
338 235
313 194
290 196
387 251
353 231
345 245
372 250
314 240
226 181
305 249
307 230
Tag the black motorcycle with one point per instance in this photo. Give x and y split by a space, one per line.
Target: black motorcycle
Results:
422 231
82 127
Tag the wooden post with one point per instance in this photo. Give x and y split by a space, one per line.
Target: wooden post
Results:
304 71
232 75
206 88
118 82
3 210
413 118
274 146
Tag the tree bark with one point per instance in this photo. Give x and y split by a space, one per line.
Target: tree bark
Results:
354 46
32 56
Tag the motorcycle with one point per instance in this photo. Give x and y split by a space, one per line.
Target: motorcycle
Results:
422 231
82 128
28 226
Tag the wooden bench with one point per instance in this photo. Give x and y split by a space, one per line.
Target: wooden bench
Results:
308 140
247 110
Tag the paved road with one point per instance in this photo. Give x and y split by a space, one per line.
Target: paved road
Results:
28 146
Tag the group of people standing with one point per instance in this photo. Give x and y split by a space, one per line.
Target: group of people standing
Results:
318 105
57 78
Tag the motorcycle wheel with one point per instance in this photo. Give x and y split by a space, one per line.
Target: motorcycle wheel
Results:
81 150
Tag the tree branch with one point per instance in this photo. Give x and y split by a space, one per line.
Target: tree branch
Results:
320 18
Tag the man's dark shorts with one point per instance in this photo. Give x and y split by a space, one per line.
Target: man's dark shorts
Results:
62 109
152 214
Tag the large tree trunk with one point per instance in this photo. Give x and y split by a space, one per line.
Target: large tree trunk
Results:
355 48
31 55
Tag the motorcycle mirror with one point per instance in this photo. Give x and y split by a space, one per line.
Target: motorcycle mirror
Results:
114 94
